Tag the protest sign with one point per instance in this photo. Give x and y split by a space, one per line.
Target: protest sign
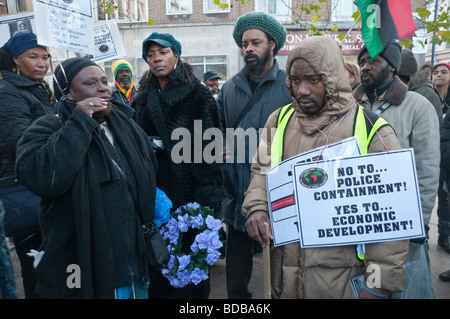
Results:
11 24
108 42
280 188
68 25
363 199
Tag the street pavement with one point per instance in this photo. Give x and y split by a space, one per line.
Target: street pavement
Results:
439 260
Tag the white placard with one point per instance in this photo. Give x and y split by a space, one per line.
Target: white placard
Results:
280 188
68 25
13 23
108 42
363 199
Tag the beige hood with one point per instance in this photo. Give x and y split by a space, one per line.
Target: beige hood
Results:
325 57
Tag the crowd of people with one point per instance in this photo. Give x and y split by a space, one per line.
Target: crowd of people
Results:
96 156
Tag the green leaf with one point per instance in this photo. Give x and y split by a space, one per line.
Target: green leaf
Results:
316 18
423 13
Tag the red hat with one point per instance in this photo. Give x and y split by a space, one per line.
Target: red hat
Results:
439 64
442 63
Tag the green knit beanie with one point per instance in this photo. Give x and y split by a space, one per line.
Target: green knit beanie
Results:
263 22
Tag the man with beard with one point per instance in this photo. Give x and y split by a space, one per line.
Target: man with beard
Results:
123 90
245 102
411 115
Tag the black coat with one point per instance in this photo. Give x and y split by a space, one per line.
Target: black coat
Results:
49 156
183 100
22 101
445 148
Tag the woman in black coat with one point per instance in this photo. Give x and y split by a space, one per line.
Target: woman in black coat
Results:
24 97
170 101
94 168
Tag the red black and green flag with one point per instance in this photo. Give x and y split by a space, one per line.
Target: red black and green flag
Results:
383 21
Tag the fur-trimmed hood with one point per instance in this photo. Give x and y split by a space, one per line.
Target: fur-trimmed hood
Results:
394 94
316 51
421 77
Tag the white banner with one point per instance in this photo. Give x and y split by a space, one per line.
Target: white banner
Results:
68 25
280 188
363 199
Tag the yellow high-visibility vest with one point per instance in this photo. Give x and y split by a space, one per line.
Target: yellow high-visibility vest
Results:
366 125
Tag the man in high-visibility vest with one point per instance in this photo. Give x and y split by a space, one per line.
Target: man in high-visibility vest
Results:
323 112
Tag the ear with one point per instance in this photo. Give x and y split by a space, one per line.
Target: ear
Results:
16 61
69 95
273 45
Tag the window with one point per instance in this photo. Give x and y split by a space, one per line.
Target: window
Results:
202 64
136 10
280 9
210 7
342 10
179 7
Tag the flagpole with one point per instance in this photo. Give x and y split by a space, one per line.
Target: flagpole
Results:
351 28
266 263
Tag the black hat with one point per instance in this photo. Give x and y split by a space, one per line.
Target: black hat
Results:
66 71
209 75
392 53
409 63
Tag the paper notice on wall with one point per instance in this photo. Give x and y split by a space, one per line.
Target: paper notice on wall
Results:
64 24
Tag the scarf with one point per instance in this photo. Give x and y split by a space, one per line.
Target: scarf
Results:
95 254
128 92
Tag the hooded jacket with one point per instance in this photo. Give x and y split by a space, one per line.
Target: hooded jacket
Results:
323 272
420 83
415 122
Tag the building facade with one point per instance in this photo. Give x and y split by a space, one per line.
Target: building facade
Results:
205 30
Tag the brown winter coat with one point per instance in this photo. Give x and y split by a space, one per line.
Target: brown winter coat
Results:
323 272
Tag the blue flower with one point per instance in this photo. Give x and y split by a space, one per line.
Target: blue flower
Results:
192 205
191 215
174 281
184 276
214 242
198 275
212 223
184 262
202 239
212 257
171 232
183 223
197 221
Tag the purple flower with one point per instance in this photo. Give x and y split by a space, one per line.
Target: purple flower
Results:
184 262
212 223
198 275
